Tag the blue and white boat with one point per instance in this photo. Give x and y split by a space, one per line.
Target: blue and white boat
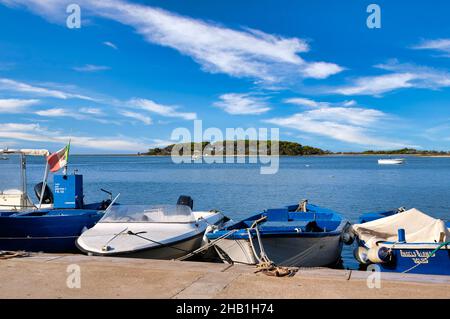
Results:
403 241
302 235
56 222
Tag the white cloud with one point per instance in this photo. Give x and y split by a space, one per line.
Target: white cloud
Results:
321 70
353 125
164 110
245 104
375 85
402 76
37 133
137 116
304 102
60 112
311 103
92 111
439 45
91 68
16 86
84 113
110 44
218 49
16 105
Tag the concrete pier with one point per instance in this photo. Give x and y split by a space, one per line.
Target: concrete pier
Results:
51 276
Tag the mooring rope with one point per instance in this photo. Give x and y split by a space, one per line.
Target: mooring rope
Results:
265 265
13 254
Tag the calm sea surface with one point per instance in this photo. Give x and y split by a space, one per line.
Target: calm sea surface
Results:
348 184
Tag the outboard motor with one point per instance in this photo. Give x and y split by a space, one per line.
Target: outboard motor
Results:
186 200
48 195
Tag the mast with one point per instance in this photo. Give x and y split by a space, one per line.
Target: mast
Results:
23 178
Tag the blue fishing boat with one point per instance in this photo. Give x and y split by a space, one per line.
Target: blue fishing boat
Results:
56 222
403 241
302 235
368 217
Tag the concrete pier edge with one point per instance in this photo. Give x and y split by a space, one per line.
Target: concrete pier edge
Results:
55 276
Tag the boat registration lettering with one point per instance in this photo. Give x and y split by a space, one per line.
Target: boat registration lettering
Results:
418 257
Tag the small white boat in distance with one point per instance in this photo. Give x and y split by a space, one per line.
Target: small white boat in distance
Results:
391 161
157 232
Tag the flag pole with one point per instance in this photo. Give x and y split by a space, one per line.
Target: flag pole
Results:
44 184
67 159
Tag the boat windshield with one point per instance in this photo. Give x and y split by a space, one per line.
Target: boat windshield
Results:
149 214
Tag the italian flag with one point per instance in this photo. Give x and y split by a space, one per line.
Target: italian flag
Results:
59 159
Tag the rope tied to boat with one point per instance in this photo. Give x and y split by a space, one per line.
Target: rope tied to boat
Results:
270 269
13 254
302 206
265 265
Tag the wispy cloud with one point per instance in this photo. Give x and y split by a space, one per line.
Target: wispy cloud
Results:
83 113
439 45
38 90
161 109
92 111
301 101
91 68
59 112
403 76
110 44
354 125
137 116
38 133
243 104
16 105
239 53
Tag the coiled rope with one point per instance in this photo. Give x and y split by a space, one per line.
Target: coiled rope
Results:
13 254
265 265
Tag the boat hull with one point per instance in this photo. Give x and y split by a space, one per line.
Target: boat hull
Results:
169 251
416 261
295 251
53 234
391 161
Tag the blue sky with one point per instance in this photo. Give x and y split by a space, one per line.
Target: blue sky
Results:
135 71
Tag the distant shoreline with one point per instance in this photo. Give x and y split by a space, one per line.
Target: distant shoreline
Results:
324 155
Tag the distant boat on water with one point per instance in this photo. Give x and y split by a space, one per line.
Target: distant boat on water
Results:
391 161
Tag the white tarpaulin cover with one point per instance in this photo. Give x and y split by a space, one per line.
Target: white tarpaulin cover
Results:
419 228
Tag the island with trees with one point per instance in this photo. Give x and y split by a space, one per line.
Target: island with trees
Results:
286 148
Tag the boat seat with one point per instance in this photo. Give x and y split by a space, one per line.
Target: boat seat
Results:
277 214
284 226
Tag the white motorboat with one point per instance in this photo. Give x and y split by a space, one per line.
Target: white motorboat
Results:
156 232
17 199
391 161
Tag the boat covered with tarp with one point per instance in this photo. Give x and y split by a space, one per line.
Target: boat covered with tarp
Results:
406 241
